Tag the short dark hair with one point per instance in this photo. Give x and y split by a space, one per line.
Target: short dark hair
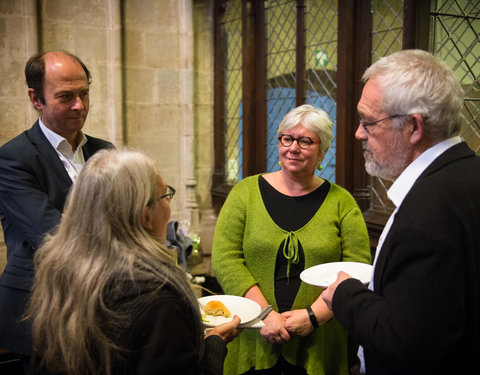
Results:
35 72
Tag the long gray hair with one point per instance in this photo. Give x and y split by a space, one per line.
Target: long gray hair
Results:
100 247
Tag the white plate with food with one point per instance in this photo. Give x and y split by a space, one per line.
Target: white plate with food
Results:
218 309
325 274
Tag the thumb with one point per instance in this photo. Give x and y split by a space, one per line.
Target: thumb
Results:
235 320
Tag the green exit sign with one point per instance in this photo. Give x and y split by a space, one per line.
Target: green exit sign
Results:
321 57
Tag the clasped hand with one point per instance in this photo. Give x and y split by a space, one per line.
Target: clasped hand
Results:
280 327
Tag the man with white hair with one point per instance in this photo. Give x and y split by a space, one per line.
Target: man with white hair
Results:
421 312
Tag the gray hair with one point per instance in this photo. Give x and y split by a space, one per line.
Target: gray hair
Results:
415 81
310 118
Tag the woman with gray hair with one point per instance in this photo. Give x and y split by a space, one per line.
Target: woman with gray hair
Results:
272 227
108 296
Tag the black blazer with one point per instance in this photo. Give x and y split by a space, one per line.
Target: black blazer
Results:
424 314
33 188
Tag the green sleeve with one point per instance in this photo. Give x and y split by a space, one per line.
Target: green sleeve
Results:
227 254
354 234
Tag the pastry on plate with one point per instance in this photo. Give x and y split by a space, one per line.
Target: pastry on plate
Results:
217 308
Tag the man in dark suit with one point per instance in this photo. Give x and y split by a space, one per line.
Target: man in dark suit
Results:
37 169
421 312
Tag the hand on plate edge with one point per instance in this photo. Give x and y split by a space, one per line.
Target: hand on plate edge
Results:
227 331
327 294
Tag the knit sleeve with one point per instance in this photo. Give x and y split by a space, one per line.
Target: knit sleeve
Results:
162 340
214 357
228 260
353 231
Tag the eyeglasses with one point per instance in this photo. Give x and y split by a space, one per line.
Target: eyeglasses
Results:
366 124
303 142
170 193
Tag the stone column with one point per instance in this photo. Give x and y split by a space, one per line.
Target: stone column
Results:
189 207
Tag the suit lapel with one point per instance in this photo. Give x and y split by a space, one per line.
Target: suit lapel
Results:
459 151
87 149
49 155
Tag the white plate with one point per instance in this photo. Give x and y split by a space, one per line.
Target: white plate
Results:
245 308
325 274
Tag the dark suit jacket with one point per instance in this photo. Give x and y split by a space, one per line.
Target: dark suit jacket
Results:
424 314
33 188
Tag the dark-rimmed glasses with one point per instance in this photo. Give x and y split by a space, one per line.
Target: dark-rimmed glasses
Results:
303 142
366 124
169 194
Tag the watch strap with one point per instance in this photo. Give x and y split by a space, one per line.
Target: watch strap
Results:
313 318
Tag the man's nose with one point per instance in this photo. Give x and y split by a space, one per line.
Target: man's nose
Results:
361 133
78 103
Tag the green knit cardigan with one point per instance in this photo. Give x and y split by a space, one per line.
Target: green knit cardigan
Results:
245 247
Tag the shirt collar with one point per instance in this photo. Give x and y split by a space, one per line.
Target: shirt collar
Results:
405 181
56 139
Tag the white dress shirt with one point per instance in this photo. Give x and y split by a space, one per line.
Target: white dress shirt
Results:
397 193
72 161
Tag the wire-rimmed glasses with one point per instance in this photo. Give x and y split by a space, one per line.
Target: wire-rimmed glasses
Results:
366 124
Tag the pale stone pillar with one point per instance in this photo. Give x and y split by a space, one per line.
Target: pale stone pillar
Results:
189 207
18 40
113 105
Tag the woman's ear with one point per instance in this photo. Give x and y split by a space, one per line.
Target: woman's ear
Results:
146 219
322 155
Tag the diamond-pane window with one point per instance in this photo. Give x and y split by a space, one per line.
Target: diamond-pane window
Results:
232 34
280 28
456 40
387 26
321 67
321 59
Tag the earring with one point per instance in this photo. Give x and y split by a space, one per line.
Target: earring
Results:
319 167
279 163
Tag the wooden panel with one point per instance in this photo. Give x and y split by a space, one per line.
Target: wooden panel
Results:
300 55
354 45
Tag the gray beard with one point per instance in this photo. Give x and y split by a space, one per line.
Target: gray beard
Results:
390 168
375 169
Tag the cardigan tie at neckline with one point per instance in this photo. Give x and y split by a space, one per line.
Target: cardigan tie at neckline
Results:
290 250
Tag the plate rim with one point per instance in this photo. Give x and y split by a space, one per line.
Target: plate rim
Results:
240 298
330 263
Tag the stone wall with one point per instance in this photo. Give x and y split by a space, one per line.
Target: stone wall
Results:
152 88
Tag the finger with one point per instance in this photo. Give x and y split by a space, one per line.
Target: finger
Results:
343 274
284 335
236 320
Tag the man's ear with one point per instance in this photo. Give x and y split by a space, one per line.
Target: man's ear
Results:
35 99
146 219
417 130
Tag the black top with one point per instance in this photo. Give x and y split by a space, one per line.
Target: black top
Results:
290 214
160 337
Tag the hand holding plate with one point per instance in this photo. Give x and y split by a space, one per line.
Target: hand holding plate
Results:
327 294
227 331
